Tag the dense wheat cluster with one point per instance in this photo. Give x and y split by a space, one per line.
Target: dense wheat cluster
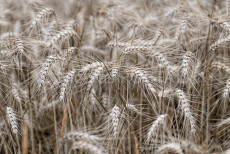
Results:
114 76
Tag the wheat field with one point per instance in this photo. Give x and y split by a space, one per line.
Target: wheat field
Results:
114 76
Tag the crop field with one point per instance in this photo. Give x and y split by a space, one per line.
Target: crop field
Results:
114 76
